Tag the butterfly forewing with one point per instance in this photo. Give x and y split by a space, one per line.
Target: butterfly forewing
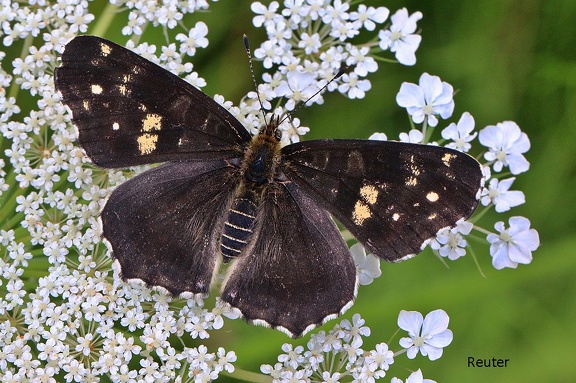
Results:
392 196
299 272
130 111
164 224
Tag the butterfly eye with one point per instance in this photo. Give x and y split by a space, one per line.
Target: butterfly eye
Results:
278 134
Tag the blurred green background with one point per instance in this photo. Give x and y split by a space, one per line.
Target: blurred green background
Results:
510 60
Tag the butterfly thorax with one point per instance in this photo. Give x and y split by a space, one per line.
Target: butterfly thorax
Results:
258 169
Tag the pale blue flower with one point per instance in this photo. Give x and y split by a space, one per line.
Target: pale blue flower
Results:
500 196
427 336
506 144
400 38
513 245
367 265
431 97
460 133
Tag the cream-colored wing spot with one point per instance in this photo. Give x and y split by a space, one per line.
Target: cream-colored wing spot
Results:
147 143
105 49
96 89
369 193
361 213
411 181
115 126
432 196
447 158
151 122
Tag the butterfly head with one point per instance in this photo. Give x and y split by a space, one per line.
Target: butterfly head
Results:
262 156
271 130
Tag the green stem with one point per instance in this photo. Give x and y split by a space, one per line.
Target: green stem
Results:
104 20
473 254
14 87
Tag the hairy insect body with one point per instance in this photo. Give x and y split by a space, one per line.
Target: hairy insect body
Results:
258 168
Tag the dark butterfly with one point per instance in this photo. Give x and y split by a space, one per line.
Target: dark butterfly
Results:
225 195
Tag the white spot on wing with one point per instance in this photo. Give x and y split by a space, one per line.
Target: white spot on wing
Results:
105 49
447 158
96 89
432 196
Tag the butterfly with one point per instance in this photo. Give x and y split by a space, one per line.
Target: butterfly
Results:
224 196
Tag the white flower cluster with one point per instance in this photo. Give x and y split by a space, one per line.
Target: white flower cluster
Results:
64 316
310 41
337 355
505 146
166 13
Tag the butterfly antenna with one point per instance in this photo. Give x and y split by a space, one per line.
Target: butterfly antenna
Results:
249 53
301 104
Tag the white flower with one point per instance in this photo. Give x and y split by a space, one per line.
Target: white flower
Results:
500 196
291 131
266 16
310 43
269 52
293 357
353 332
225 360
415 377
380 358
428 335
134 26
414 136
369 16
363 63
506 143
196 39
460 133
378 137
401 38
328 377
353 87
299 86
429 98
343 30
367 265
450 243
513 245
336 12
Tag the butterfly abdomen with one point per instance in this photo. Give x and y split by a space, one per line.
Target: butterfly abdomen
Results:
258 169
238 227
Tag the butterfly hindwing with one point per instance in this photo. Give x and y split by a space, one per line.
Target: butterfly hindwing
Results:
394 197
299 272
164 225
130 111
